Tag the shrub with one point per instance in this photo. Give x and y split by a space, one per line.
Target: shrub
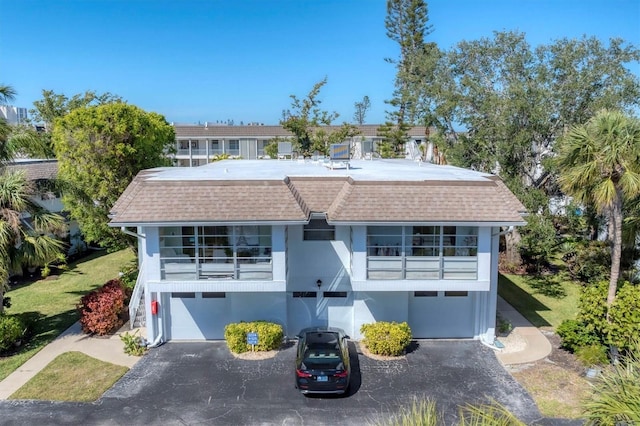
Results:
616 393
11 331
270 336
591 262
624 314
574 334
386 338
100 309
133 344
592 355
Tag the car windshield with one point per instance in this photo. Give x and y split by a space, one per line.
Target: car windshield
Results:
322 351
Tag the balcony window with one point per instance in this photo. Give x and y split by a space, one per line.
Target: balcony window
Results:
422 252
233 147
215 147
216 252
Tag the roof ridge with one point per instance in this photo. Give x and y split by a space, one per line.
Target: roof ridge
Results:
340 200
297 196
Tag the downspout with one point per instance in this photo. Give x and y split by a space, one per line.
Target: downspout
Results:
133 234
506 231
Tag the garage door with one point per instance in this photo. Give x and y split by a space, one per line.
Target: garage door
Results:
447 314
197 316
327 308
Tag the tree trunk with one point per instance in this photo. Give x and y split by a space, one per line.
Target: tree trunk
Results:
616 250
512 255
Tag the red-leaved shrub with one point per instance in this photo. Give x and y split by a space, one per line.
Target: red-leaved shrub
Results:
100 309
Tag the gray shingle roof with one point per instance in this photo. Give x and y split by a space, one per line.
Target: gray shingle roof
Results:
36 169
286 191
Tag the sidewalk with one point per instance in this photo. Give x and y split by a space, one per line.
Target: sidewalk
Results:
109 349
529 344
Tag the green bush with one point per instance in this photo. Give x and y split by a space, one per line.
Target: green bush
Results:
592 355
270 336
624 314
386 338
591 262
133 344
11 331
574 334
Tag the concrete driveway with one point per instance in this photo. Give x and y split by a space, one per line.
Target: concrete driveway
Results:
202 383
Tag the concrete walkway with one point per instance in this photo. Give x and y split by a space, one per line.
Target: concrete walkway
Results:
535 345
109 349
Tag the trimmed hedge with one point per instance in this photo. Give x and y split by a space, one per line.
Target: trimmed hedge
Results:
11 331
386 338
270 336
100 309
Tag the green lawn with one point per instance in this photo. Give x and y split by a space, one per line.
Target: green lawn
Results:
544 302
49 305
78 377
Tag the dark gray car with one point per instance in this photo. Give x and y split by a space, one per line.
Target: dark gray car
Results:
322 361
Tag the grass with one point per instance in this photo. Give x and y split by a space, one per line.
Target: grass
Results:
49 305
77 377
544 302
558 392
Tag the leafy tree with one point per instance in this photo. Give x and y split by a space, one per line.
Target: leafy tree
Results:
514 101
306 121
100 150
37 144
362 108
407 24
599 165
394 138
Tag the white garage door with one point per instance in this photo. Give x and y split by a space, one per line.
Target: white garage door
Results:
441 314
328 308
197 316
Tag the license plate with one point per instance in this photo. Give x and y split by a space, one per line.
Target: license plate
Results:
323 379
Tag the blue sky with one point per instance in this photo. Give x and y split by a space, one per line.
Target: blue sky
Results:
241 59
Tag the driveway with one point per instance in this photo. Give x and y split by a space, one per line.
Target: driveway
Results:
202 383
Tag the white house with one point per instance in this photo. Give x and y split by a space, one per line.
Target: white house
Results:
302 243
199 144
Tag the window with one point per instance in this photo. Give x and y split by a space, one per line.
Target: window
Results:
214 295
456 294
233 147
425 294
422 252
319 230
335 294
216 252
215 147
262 143
183 295
304 294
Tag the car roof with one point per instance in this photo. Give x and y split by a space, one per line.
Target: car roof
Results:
321 329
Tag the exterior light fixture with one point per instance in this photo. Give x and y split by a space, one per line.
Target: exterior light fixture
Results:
319 283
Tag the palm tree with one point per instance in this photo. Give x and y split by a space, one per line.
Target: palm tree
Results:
26 229
599 165
7 94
